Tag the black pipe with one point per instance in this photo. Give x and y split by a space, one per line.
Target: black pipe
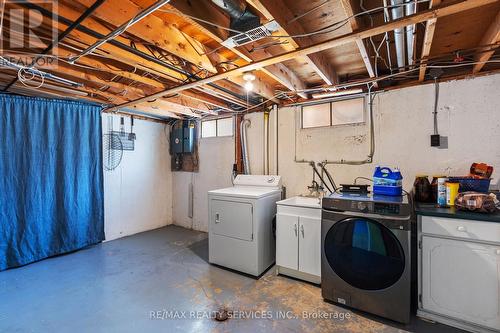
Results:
133 50
63 35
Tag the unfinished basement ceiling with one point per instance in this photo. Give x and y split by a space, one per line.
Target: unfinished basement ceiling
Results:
182 42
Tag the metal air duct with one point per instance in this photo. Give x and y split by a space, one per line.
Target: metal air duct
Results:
399 39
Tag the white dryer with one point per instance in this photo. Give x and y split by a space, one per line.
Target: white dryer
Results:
240 233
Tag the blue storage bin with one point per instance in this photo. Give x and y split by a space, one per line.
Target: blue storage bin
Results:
471 184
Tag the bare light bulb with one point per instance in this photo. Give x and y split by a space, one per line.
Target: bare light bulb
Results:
248 86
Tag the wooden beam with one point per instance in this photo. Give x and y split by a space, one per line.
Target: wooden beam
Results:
279 11
430 27
279 73
119 55
491 37
153 30
164 105
444 10
353 21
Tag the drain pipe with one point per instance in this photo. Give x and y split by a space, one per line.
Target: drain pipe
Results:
244 143
410 9
399 38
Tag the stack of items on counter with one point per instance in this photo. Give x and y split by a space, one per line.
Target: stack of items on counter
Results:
465 193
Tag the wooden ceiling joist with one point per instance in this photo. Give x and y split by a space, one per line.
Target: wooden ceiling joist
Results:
279 73
279 11
115 53
492 39
443 10
353 22
152 30
430 28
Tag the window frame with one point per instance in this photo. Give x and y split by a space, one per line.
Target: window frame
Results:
217 128
363 98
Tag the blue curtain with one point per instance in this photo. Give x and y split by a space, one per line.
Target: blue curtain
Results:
51 181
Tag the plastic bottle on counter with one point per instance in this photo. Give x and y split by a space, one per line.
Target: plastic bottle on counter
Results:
441 191
422 188
451 193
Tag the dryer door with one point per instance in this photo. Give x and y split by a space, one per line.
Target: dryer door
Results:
232 219
364 253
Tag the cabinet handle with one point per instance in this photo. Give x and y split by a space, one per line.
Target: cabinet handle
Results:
217 218
302 230
461 228
295 229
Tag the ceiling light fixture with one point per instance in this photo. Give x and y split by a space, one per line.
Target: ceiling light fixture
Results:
249 77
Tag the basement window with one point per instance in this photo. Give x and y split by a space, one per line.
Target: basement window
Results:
342 112
217 127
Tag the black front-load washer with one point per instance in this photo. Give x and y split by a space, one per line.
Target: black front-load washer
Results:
366 253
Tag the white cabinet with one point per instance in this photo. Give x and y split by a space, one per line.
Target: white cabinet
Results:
287 241
298 241
310 245
459 275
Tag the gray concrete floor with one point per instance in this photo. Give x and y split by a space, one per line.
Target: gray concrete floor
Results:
136 283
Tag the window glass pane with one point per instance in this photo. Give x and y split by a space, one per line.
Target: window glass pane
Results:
350 111
225 127
208 128
316 115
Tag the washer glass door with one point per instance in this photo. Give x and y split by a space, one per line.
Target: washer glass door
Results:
364 253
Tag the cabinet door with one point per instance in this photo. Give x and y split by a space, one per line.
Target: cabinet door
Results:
310 245
287 247
461 279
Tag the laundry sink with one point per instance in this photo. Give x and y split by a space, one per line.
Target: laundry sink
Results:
300 201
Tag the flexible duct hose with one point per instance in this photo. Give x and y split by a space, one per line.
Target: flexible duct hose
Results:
244 148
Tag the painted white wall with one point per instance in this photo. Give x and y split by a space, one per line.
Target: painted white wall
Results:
138 194
216 157
468 114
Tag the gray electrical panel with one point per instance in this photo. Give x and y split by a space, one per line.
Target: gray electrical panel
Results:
189 139
177 140
183 146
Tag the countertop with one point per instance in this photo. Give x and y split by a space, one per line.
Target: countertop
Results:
433 210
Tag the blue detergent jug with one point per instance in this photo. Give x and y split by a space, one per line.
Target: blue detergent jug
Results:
387 181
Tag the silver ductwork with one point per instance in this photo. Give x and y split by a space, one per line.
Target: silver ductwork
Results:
399 38
244 146
242 19
410 9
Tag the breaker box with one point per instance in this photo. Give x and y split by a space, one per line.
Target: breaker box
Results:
183 146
